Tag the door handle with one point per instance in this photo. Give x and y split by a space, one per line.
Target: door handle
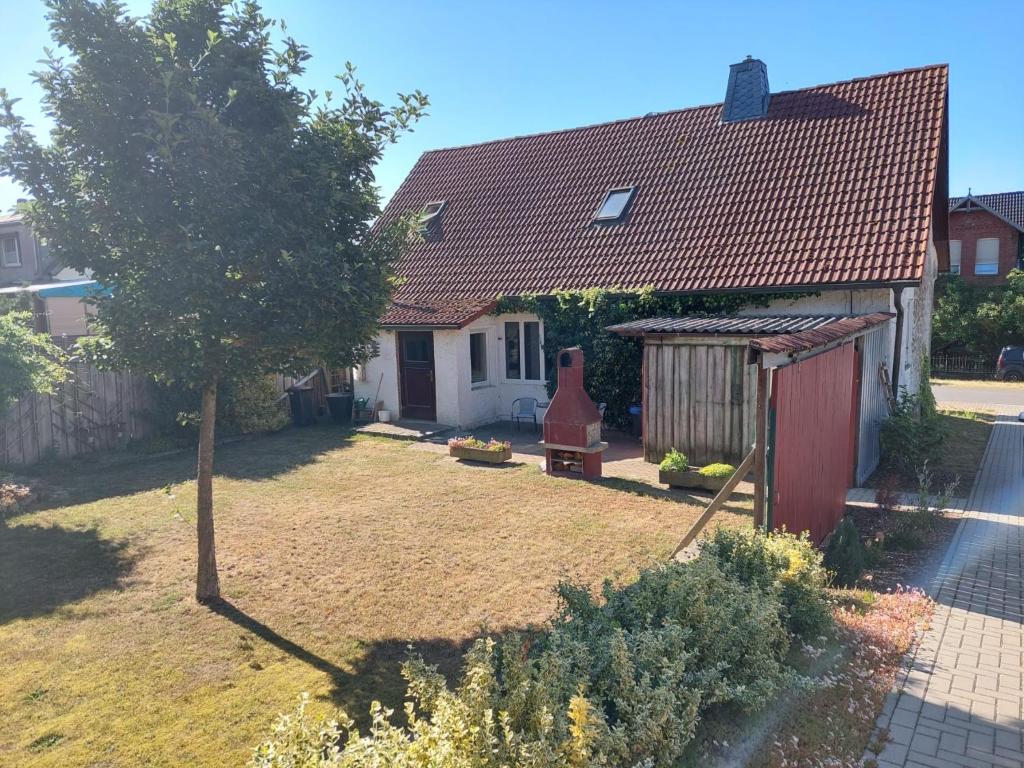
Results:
431 375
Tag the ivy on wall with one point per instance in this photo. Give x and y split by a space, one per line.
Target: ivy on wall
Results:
613 362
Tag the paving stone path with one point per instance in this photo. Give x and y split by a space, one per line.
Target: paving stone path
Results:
961 701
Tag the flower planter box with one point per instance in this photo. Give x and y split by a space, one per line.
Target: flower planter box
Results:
691 478
480 454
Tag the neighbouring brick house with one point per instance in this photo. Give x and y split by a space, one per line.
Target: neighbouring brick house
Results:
985 240
839 191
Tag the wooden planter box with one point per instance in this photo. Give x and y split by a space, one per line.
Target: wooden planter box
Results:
691 479
480 454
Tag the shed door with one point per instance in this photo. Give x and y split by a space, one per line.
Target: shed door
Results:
813 438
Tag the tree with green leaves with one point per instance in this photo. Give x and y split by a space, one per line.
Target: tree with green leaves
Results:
228 211
983 319
29 361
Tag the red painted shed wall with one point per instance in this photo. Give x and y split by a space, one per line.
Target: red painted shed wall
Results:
813 438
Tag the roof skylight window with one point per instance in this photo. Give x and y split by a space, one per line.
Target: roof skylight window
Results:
431 215
615 203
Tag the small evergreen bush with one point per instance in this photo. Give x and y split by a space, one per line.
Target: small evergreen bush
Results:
779 560
718 470
845 553
675 461
617 679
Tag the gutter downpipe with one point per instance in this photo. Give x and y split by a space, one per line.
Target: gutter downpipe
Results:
897 300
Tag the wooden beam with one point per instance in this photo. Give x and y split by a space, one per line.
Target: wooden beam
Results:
760 444
716 503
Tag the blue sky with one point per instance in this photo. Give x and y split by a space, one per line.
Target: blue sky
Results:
501 69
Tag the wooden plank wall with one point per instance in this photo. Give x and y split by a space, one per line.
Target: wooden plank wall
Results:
699 398
874 408
93 411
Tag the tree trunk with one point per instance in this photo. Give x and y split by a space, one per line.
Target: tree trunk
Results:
207 583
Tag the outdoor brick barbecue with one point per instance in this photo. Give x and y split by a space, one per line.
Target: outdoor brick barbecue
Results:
572 424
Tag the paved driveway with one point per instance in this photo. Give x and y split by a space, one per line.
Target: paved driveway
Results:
961 703
998 396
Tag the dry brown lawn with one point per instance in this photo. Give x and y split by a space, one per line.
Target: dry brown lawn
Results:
335 555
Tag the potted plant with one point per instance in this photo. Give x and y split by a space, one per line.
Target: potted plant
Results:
675 470
471 449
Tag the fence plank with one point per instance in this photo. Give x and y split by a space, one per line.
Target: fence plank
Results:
91 411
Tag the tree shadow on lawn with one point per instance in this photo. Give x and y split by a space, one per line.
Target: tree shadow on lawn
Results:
88 479
376 676
43 568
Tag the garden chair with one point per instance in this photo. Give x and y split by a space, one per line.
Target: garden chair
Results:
524 409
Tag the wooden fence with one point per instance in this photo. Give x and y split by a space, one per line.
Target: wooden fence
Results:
971 366
92 411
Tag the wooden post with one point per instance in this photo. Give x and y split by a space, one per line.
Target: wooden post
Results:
760 444
716 503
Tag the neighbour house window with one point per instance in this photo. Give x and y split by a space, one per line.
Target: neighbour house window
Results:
10 254
954 257
986 256
477 357
614 206
522 350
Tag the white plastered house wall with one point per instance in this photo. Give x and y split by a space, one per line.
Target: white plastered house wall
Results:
917 315
460 402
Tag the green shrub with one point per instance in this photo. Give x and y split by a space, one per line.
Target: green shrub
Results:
718 470
243 407
913 435
782 561
675 461
845 553
617 679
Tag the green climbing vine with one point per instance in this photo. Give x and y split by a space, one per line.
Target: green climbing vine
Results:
581 317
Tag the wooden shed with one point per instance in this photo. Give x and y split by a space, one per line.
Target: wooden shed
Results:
784 395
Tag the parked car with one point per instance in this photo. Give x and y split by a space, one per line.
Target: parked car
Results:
1010 366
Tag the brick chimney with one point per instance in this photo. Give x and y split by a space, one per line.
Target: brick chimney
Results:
747 95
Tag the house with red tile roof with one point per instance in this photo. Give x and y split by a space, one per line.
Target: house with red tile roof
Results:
986 236
836 193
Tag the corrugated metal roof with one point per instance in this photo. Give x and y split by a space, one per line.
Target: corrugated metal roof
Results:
739 325
837 330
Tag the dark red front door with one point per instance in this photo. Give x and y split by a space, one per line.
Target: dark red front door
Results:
416 374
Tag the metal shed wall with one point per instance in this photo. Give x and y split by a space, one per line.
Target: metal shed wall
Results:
699 397
811 457
874 349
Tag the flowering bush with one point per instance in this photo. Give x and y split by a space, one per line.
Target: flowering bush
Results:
617 679
718 470
675 461
780 561
471 442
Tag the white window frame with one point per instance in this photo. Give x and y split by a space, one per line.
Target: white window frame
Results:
521 322
990 268
954 265
17 251
487 363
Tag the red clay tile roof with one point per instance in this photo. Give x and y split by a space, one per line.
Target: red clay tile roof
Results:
1007 205
836 185
451 312
837 330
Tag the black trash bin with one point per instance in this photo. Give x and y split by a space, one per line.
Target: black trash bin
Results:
340 406
301 401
